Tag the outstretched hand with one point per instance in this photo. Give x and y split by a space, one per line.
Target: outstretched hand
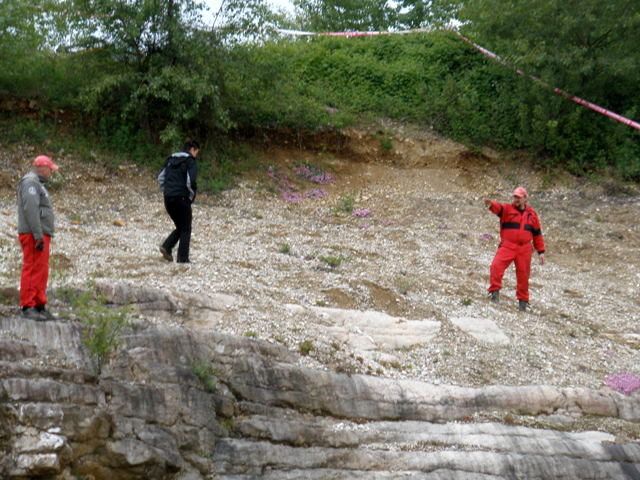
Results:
487 202
541 258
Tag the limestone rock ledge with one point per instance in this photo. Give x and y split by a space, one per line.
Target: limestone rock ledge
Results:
176 403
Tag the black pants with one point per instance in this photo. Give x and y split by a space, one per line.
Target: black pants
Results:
179 209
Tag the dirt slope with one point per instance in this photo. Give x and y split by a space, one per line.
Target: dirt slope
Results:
416 245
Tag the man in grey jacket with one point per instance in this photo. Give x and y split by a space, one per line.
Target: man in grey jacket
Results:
35 229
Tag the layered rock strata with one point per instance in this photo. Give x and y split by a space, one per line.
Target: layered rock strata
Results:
176 403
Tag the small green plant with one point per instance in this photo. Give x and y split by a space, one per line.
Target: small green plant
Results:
404 284
334 262
598 218
386 144
206 374
321 303
285 248
230 424
306 347
346 203
251 334
102 326
446 353
466 302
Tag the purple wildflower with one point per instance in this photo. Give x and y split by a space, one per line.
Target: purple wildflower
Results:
290 196
315 193
313 174
362 213
625 383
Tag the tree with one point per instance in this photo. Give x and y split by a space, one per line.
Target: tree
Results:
244 21
27 33
345 15
156 68
422 14
589 48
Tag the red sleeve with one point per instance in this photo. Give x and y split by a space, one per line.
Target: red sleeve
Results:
496 208
538 239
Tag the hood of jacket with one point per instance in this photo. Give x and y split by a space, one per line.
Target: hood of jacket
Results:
178 159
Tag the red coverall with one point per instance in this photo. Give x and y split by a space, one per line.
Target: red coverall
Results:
517 229
35 271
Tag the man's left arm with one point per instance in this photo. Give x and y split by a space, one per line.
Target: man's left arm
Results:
192 178
538 239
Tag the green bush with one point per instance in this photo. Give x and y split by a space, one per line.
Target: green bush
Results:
432 79
102 326
206 374
137 105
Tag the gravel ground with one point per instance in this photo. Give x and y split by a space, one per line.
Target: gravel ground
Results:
416 245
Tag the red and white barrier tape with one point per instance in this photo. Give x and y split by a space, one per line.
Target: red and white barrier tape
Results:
578 100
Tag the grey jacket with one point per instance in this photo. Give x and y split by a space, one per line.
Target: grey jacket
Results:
35 212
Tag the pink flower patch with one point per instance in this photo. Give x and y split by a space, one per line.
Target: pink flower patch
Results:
625 383
363 213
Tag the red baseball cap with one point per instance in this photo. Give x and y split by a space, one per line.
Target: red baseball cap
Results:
520 192
44 161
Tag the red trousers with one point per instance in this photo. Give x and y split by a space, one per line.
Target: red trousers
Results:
35 271
512 252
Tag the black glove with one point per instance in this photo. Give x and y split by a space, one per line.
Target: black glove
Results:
40 244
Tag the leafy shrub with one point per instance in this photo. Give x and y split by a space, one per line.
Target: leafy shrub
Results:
285 248
206 374
305 347
346 203
102 326
334 261
432 79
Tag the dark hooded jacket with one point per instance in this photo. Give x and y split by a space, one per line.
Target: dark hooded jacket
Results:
178 176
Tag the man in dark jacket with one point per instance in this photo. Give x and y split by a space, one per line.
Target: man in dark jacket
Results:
177 181
35 229
519 226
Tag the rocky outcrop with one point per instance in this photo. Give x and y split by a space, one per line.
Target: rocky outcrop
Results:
176 403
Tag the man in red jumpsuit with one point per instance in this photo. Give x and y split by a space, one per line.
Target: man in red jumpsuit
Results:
35 229
519 225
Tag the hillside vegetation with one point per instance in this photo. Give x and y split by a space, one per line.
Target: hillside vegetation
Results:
155 76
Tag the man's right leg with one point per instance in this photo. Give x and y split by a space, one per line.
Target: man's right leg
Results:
27 286
33 281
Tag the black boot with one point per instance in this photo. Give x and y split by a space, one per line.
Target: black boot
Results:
523 305
166 253
495 296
